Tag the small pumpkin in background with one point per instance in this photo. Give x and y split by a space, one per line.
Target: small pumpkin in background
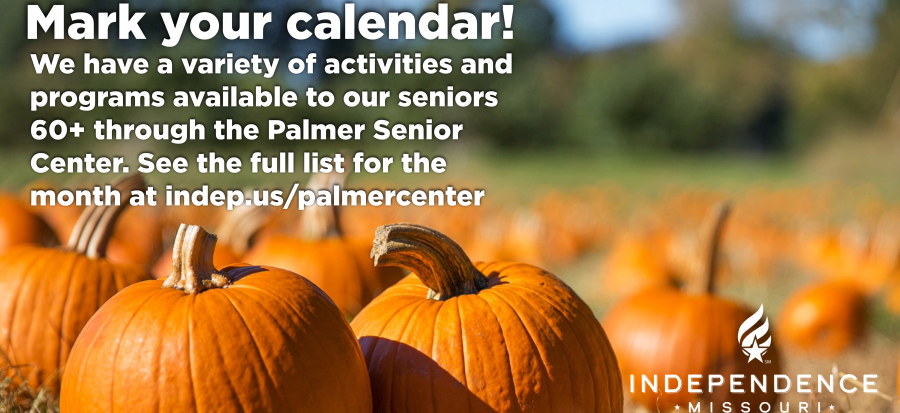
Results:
670 331
825 318
339 265
484 337
19 225
637 261
47 295
143 251
243 338
124 247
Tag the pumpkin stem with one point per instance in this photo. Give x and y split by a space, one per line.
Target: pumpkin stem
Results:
192 262
319 222
96 224
241 224
715 241
440 263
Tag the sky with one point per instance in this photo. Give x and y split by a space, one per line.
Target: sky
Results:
591 25
823 30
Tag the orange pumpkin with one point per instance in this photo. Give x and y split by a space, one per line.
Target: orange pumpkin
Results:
18 225
666 331
824 318
47 295
125 248
485 337
241 339
338 265
637 262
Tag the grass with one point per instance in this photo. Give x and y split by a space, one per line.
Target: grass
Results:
16 396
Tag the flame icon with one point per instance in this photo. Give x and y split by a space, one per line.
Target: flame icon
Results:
750 340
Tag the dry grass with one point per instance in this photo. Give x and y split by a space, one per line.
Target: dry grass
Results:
17 397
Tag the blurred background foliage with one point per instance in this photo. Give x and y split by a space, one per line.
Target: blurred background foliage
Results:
721 78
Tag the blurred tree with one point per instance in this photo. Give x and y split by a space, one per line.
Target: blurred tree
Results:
717 83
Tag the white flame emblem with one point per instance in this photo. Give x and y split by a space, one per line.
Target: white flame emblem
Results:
750 339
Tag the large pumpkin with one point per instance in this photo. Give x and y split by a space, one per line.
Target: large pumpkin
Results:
666 331
485 337
18 225
47 295
824 318
241 339
337 264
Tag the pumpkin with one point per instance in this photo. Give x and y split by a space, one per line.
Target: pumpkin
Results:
637 261
143 251
666 331
47 295
241 339
490 336
18 225
124 247
337 264
824 318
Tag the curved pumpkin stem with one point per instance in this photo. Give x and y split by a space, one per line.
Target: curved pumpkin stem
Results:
715 241
240 225
96 224
318 222
192 262
440 263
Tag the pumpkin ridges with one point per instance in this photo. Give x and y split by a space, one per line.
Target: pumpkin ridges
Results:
211 320
510 373
99 333
268 378
297 310
62 351
567 316
20 251
545 375
38 325
564 320
457 367
383 326
118 344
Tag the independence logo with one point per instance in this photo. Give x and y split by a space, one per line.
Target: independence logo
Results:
750 339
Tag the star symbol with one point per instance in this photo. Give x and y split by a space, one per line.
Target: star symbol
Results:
755 352
677 407
831 407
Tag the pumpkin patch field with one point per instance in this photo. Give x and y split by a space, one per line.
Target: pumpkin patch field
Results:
572 300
